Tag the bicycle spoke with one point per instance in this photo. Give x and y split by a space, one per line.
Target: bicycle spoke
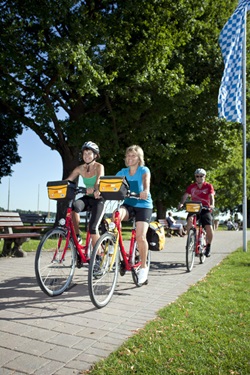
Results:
54 263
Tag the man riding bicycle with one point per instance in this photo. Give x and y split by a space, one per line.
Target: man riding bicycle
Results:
201 191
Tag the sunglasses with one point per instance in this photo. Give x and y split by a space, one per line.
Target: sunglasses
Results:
199 176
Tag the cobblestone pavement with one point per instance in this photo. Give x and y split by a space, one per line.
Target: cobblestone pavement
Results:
67 334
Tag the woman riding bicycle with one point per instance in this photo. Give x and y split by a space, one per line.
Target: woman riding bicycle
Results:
91 171
201 191
138 176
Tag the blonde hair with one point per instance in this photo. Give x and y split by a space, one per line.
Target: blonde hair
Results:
138 150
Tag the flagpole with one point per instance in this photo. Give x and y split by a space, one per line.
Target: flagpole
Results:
244 203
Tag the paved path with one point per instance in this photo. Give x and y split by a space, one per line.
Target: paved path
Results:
67 334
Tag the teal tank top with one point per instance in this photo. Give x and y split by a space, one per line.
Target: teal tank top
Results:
89 182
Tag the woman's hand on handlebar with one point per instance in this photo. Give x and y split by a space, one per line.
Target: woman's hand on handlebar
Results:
144 194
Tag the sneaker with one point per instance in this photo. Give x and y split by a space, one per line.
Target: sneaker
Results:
207 252
79 239
143 275
97 265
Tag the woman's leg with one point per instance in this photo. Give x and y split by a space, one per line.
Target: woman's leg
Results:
141 238
97 212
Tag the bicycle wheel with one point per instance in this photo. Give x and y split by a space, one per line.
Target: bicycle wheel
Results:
136 259
54 273
190 249
103 270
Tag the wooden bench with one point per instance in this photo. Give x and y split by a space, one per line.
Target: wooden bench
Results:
33 218
169 231
11 231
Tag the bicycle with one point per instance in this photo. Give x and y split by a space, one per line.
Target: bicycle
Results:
59 251
109 257
196 240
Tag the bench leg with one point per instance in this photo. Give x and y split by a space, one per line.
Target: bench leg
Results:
7 247
17 250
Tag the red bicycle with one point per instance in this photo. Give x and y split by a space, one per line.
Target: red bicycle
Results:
196 240
109 257
59 251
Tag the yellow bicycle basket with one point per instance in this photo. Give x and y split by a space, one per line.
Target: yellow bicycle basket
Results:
113 187
193 207
61 189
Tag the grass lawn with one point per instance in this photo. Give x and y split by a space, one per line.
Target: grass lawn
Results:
206 331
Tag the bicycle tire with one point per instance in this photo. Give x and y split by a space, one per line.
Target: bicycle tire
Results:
136 259
190 249
53 275
103 270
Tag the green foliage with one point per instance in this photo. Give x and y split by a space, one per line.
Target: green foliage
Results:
119 73
8 144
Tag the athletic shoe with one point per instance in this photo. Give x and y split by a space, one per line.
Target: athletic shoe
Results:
97 265
143 275
207 252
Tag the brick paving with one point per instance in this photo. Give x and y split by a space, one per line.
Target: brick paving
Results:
66 334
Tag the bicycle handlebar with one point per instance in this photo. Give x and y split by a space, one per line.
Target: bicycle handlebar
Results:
80 190
133 195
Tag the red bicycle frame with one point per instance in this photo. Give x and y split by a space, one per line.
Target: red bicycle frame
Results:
127 257
199 232
82 250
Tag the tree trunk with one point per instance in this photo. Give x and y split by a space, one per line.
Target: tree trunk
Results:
161 209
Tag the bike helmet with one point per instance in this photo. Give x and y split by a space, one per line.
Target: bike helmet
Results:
91 146
200 171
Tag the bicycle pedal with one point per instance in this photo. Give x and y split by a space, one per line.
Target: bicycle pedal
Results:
122 268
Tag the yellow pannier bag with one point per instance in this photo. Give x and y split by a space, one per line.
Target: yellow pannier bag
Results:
156 236
61 189
113 187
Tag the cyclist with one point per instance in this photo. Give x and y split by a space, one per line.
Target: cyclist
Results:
90 171
201 191
138 176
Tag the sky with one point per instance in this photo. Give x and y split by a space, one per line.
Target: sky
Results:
26 188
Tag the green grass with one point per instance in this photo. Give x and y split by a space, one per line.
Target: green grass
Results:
206 331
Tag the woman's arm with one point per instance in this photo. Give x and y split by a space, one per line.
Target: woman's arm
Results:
146 186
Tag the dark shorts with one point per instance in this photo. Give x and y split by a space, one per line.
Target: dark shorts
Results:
140 214
205 217
95 206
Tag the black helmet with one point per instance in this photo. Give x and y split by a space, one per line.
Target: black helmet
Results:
91 146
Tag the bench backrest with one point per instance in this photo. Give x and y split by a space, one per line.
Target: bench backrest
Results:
32 218
9 220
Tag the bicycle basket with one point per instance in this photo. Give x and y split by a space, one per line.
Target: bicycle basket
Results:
113 187
61 189
193 207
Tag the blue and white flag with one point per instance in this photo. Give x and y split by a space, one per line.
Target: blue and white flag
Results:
231 43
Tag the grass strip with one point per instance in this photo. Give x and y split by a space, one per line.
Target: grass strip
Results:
206 331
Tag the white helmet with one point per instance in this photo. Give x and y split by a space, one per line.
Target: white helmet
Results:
91 146
200 171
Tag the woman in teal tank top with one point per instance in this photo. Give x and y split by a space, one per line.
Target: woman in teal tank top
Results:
90 171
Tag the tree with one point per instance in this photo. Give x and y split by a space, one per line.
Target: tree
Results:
118 72
8 144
